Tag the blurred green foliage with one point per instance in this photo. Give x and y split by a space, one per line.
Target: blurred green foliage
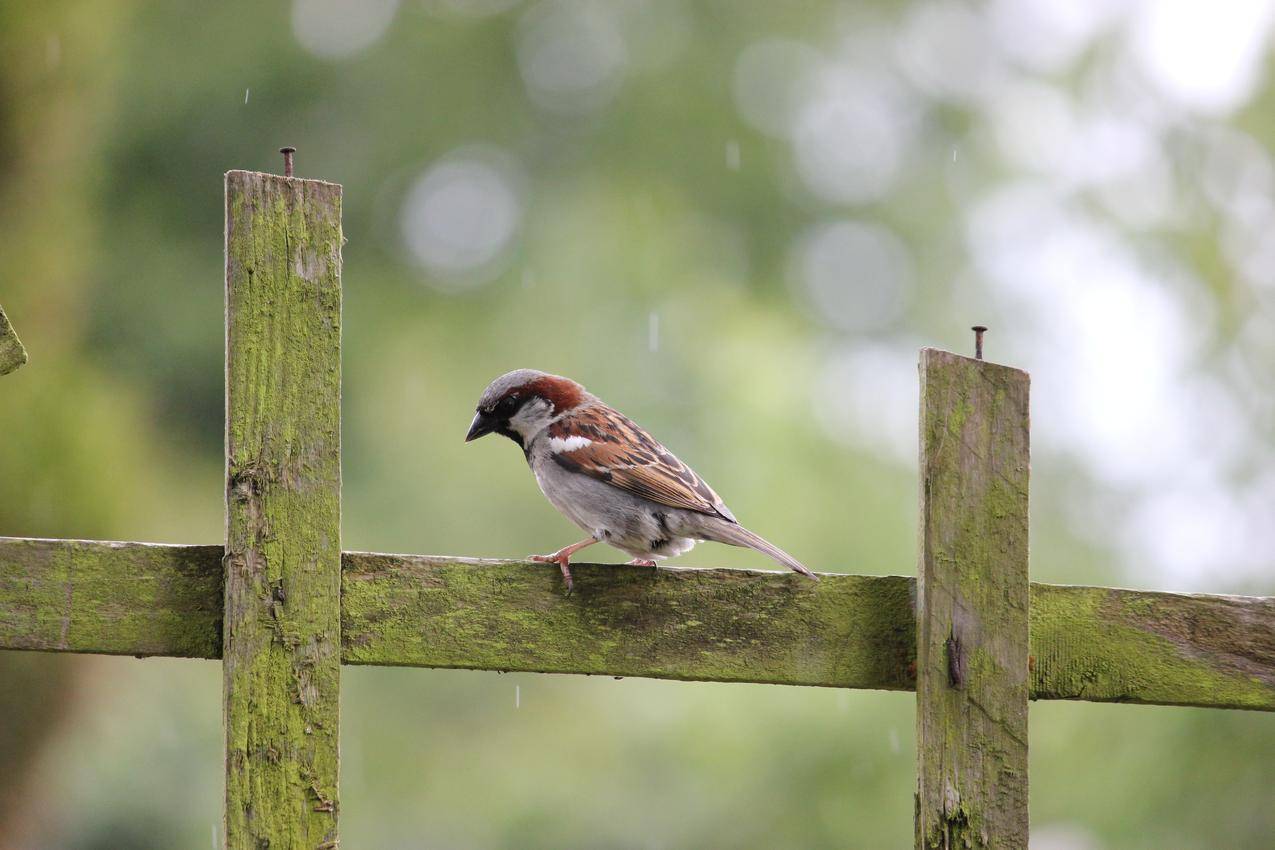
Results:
651 260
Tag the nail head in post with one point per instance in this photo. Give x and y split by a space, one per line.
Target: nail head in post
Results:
978 330
287 160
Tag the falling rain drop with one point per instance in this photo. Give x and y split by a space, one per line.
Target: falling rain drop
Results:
953 154
894 740
653 332
245 95
732 155
517 696
528 279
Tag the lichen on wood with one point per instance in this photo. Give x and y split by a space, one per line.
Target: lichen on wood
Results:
112 598
282 637
972 605
1111 645
12 352
668 623
1087 643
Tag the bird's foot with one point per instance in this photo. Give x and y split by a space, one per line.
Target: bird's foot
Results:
641 562
563 560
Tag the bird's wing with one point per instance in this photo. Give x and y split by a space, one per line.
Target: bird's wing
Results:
604 444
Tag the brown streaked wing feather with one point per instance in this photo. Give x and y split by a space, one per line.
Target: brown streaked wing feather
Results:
623 455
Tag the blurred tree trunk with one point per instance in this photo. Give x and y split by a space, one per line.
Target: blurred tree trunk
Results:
49 102
35 691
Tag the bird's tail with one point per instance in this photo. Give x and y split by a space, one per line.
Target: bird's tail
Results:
737 535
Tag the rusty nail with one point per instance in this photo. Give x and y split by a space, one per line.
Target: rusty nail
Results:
287 160
978 330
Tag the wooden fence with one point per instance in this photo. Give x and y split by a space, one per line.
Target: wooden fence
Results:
284 607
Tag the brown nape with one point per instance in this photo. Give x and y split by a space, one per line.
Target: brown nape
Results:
562 393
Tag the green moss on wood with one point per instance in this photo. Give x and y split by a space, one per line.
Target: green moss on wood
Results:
12 353
973 601
1109 645
282 567
1088 643
708 625
112 598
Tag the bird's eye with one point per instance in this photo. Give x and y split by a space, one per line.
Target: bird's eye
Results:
508 404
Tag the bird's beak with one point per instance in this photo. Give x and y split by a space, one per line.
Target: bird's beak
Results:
480 426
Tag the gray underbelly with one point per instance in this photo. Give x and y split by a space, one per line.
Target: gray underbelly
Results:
617 517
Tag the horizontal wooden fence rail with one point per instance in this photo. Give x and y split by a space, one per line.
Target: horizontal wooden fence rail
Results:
1087 643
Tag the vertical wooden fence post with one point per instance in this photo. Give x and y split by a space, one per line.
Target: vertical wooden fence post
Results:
281 641
972 605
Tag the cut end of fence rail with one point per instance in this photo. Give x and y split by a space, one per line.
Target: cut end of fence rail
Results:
12 353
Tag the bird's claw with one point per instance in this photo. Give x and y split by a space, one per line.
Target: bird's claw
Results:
563 562
641 562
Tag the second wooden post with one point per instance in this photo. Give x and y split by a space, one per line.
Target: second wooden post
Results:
282 628
972 605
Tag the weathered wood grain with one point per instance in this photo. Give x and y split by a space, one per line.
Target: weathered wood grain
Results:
282 639
1089 643
12 353
1110 645
110 598
709 625
972 605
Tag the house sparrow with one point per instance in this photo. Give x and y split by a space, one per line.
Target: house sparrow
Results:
607 475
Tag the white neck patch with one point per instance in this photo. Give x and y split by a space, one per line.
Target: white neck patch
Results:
558 445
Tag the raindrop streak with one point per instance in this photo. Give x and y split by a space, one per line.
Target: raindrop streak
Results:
245 95
894 740
528 279
53 51
732 155
953 154
215 845
517 696
653 332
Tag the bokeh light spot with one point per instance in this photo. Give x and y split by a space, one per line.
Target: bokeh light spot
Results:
572 55
850 136
853 275
334 28
772 79
461 215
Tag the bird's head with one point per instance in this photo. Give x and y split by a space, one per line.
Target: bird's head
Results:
521 403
